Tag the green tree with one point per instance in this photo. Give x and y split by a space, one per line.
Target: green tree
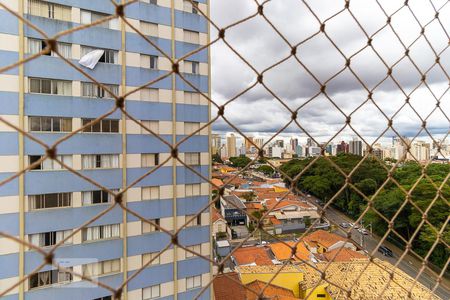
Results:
240 161
267 170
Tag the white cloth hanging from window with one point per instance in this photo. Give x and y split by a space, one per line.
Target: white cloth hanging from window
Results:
91 59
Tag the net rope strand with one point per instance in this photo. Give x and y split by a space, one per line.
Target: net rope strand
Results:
259 13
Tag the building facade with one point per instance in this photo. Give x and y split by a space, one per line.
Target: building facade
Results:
231 145
49 99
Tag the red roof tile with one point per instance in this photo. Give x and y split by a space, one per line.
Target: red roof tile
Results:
227 289
249 255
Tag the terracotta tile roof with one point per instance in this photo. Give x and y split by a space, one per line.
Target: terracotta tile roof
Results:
375 277
322 237
253 205
343 254
249 255
274 220
226 288
271 291
278 205
263 190
283 252
217 182
216 215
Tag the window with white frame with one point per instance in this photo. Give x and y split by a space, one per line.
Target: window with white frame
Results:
105 126
45 239
194 248
88 17
50 86
149 160
151 292
96 161
49 164
194 220
49 10
192 67
192 158
109 56
101 232
189 7
50 277
101 268
50 124
193 282
148 28
154 2
191 127
53 200
152 125
150 193
149 94
35 46
149 61
192 37
192 98
147 227
192 189
92 90
96 197
154 258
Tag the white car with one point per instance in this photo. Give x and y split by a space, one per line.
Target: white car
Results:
363 231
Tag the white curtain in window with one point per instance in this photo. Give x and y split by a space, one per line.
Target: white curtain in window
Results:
115 230
67 159
34 46
85 17
114 24
64 49
95 232
88 161
114 161
107 231
86 197
47 164
34 239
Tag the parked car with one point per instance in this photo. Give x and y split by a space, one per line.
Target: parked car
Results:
363 231
344 225
355 226
385 251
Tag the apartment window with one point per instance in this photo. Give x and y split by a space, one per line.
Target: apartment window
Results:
321 296
195 248
49 164
50 200
101 232
192 159
150 193
49 10
151 292
35 46
147 227
50 124
148 94
149 160
189 7
105 125
197 221
50 86
154 257
191 127
96 161
88 17
109 56
45 239
148 28
101 268
192 98
96 197
152 125
154 2
192 37
192 189
192 67
90 89
49 277
149 61
103 298
193 282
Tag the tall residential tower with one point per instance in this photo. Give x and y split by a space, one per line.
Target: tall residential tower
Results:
49 99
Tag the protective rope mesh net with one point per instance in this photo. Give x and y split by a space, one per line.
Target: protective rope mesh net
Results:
219 34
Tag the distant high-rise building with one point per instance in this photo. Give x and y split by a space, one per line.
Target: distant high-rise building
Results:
216 143
342 148
259 142
279 143
231 145
355 147
293 143
248 143
299 151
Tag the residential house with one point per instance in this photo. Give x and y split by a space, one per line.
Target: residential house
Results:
322 241
233 210
283 251
219 225
252 256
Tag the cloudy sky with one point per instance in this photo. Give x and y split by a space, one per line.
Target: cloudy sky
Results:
259 113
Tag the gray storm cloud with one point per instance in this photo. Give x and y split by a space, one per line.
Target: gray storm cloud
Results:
261 46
